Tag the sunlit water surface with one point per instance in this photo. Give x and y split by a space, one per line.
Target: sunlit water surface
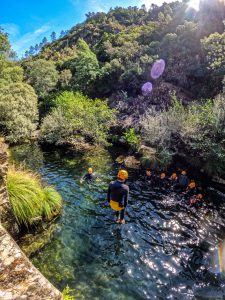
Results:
166 250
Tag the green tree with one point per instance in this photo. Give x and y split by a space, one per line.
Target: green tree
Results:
18 111
10 72
42 75
214 45
65 78
85 67
76 115
4 42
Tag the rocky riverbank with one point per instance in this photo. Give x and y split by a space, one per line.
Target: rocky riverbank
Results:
19 279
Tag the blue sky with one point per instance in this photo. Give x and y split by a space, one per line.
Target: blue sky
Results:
28 21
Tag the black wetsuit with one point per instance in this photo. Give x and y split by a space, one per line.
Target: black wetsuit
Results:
118 192
182 183
149 179
88 177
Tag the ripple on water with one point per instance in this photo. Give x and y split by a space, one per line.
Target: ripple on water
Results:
165 250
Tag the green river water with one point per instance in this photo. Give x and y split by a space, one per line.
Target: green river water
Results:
166 250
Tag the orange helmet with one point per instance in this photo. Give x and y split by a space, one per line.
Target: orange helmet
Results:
122 174
174 176
162 175
192 184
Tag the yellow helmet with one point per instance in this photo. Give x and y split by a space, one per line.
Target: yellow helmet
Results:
122 174
90 170
184 173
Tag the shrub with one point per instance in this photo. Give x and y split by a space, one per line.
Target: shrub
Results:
29 199
132 138
42 75
197 131
67 294
74 115
18 111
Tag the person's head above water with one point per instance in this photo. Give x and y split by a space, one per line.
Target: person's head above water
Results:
148 172
122 175
162 175
200 196
192 184
174 176
90 170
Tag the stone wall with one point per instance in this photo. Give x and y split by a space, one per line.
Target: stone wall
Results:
19 279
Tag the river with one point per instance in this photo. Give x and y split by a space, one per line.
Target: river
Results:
166 250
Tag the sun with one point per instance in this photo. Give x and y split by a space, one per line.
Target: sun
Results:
194 4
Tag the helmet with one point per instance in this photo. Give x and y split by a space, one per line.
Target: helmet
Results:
174 176
162 175
192 184
184 173
122 174
90 170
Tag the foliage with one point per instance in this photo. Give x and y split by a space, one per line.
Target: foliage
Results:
67 294
131 137
197 130
84 66
29 199
4 42
214 45
42 75
65 78
10 72
75 115
18 111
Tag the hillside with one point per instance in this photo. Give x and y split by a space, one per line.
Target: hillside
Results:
111 56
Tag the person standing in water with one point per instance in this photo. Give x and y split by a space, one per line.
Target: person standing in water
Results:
117 196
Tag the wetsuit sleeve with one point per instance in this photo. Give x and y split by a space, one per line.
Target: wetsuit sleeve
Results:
109 192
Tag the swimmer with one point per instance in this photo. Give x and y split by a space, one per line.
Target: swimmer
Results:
196 200
182 183
88 177
117 196
173 178
149 177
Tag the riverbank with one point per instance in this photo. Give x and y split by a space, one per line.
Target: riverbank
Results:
18 277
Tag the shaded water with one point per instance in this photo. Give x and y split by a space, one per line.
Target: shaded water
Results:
166 250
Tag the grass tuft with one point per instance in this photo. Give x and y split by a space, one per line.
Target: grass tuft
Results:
29 199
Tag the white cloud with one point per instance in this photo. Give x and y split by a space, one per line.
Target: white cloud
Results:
11 28
28 39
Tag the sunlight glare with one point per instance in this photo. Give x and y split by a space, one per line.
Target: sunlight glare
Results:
194 4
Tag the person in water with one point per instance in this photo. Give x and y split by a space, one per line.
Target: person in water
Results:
173 179
89 176
163 180
191 189
149 177
182 182
117 196
196 200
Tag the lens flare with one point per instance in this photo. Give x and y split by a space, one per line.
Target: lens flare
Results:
146 88
158 68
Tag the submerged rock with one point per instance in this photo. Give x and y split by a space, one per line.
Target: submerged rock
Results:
31 243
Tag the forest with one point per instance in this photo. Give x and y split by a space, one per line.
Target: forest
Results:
86 86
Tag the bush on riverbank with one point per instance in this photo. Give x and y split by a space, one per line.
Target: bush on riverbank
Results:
196 131
75 115
29 199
